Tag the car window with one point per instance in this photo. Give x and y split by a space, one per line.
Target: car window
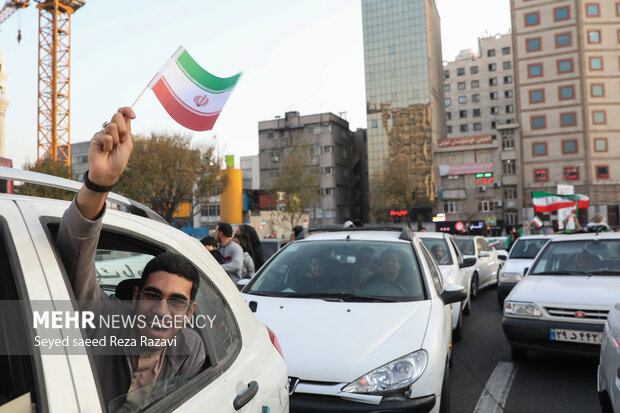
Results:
527 248
597 257
466 246
313 269
434 270
270 246
439 249
484 246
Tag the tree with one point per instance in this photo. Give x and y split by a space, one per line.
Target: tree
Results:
165 170
297 186
49 167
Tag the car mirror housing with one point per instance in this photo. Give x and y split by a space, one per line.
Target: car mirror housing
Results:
467 262
502 257
453 293
525 271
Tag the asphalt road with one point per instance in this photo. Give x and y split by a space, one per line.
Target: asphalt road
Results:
484 379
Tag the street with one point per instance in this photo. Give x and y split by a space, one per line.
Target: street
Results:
545 382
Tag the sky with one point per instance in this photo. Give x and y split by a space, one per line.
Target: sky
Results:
302 55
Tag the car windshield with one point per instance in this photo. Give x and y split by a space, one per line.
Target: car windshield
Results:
439 248
270 246
527 248
579 257
466 246
350 270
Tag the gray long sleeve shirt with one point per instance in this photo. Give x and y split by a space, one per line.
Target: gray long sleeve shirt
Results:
233 259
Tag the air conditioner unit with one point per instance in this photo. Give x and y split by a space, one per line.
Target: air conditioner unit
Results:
275 158
498 204
496 184
482 189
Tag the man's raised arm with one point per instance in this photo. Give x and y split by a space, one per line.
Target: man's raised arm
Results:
79 229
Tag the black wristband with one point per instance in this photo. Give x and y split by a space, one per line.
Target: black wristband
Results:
94 187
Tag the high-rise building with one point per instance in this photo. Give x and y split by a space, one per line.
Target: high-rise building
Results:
567 76
404 96
477 174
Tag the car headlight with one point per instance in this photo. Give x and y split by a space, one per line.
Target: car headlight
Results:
510 276
517 308
395 375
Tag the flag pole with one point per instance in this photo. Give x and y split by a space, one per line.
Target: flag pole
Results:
139 96
152 82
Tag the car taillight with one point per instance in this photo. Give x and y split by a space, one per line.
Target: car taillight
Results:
274 341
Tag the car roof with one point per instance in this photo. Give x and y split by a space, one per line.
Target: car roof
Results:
357 235
467 236
435 235
586 236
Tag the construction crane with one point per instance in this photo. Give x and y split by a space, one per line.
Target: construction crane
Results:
53 132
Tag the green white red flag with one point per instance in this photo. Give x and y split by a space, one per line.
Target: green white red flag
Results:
537 221
192 96
548 202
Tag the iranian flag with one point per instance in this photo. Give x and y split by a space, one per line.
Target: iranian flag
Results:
548 202
192 96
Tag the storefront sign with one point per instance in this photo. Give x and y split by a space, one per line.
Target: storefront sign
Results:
467 140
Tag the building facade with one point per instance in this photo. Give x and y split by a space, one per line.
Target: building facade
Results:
250 171
404 95
567 75
332 153
478 159
79 159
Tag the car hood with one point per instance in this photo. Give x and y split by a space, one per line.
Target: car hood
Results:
596 291
517 265
339 342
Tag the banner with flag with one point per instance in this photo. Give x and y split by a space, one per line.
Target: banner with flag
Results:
549 202
192 96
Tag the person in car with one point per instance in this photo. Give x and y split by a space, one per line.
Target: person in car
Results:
315 279
390 270
585 262
364 265
440 254
167 287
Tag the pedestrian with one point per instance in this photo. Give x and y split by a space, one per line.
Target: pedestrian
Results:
597 224
231 251
247 270
255 249
211 245
296 231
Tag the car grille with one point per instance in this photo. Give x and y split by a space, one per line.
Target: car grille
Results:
571 313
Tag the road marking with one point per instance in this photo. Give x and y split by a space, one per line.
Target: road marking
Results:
495 393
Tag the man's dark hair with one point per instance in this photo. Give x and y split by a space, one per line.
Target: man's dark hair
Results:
174 264
209 240
225 229
297 230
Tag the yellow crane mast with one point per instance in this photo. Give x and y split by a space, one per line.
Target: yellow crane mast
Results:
53 132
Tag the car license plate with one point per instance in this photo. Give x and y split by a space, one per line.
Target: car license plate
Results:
576 336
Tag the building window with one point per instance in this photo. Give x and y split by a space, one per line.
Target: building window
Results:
494 123
597 90
509 167
328 170
508 94
485 205
563 40
535 70
594 36
494 95
448 115
569 146
492 67
600 145
596 63
460 71
493 81
476 113
602 171
491 53
566 92
446 74
599 117
449 129
451 207
461 85
537 96
446 88
538 122
494 110
462 114
568 119
475 98
510 192
462 99
565 66
475 84
539 149
477 126
532 19
506 65
448 101
541 175
508 142
505 51
618 9
473 70
510 108
507 80
374 123
533 45
328 149
592 10
464 127
561 13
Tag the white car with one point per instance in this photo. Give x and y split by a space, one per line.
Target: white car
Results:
608 383
486 270
364 320
244 370
522 255
499 243
454 269
563 301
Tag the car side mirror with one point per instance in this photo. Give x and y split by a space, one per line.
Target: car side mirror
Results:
484 254
525 271
467 262
453 293
502 257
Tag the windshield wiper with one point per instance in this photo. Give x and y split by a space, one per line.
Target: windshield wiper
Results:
341 297
567 272
604 272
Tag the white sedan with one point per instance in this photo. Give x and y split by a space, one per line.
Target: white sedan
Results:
486 270
363 318
609 365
